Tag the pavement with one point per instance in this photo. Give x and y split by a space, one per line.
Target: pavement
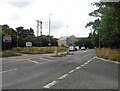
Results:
83 70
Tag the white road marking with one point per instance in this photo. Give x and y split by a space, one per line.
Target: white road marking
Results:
77 68
32 61
42 63
86 63
62 77
92 58
82 65
50 84
8 70
51 57
71 71
45 59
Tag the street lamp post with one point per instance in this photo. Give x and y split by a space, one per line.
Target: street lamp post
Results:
17 38
49 29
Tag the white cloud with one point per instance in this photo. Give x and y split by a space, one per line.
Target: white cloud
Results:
72 13
19 3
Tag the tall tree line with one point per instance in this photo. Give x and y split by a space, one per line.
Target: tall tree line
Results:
20 36
106 27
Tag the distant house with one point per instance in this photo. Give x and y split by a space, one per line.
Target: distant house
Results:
67 41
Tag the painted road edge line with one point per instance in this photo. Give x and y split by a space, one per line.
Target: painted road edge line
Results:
32 61
50 84
8 70
62 77
107 60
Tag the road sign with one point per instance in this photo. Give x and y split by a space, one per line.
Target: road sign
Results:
7 38
28 44
49 44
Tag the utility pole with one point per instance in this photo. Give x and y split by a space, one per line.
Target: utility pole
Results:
40 27
39 24
37 28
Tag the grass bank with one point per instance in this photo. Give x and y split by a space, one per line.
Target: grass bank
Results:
38 50
110 54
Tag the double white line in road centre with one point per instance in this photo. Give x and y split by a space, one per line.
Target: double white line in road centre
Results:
64 76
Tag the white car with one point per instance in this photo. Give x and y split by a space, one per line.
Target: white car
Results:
77 48
71 48
82 48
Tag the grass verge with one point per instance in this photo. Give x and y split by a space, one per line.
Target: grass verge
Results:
110 54
38 50
9 53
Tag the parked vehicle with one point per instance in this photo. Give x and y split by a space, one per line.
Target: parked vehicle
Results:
82 48
77 48
71 48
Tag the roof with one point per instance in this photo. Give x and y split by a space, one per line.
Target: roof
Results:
64 38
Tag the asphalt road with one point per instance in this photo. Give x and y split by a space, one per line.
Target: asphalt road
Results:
79 71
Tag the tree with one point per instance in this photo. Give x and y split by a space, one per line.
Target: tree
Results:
25 35
106 27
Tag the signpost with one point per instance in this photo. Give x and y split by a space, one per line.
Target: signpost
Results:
28 44
7 39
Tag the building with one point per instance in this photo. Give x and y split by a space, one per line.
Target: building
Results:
67 41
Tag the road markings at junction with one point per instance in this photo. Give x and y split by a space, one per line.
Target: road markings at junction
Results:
8 70
32 61
62 77
50 84
45 59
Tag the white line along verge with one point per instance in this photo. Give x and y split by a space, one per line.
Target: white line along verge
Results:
50 84
71 71
45 59
77 68
107 60
32 61
62 77
8 70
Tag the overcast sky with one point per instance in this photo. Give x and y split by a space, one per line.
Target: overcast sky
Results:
71 13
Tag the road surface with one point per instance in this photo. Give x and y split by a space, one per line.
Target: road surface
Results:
79 71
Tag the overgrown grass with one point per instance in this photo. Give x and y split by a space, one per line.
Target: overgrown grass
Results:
38 50
9 53
107 53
